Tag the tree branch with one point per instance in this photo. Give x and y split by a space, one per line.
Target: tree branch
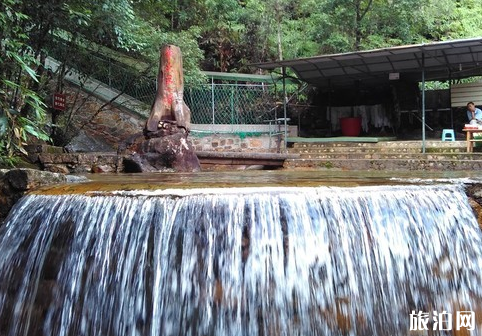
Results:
366 9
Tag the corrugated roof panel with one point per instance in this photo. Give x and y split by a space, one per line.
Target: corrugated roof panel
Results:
437 47
457 51
462 58
403 57
375 53
373 66
403 65
434 62
312 75
352 70
407 50
306 66
379 67
345 57
338 71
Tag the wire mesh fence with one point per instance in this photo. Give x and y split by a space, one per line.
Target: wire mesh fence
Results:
229 104
124 79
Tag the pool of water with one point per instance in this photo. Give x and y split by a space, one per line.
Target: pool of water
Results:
265 178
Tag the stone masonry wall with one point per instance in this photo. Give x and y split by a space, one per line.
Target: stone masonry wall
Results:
235 143
109 123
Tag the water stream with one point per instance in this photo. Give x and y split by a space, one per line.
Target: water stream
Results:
239 261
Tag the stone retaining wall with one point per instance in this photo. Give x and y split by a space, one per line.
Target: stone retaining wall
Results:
236 143
103 121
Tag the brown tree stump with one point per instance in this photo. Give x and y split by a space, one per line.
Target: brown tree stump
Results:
169 106
164 142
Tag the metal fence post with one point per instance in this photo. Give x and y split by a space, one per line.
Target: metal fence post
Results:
231 105
285 111
212 96
109 74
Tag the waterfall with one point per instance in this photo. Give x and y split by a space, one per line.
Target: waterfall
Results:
265 261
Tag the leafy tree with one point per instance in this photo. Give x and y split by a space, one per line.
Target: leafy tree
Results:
22 111
222 35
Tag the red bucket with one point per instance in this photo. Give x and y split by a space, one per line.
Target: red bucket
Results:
351 126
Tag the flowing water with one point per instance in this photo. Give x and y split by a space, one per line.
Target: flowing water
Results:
239 261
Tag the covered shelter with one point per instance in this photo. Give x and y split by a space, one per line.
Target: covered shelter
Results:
442 61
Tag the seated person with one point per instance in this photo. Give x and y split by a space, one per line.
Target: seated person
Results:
474 113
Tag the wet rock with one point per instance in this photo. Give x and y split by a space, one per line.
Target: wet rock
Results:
56 168
477 208
251 167
76 178
172 151
218 292
474 193
80 162
84 142
27 179
102 169
17 182
35 150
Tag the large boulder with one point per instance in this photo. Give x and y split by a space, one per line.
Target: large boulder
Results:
169 152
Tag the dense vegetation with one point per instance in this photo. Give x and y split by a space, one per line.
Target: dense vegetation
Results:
220 35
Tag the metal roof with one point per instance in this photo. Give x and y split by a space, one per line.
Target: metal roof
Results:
240 77
443 60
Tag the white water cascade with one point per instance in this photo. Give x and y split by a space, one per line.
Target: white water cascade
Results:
247 262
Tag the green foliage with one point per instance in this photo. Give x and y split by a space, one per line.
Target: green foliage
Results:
187 41
219 35
22 111
447 19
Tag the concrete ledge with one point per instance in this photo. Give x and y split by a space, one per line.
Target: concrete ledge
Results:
243 158
372 150
340 139
401 156
384 144
384 164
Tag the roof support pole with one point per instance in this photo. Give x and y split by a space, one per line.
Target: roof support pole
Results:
423 103
450 100
285 112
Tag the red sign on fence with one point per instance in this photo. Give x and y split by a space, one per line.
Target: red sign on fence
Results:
59 101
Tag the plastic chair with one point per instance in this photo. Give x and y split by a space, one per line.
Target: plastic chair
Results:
448 135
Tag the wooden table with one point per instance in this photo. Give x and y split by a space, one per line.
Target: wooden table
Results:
470 138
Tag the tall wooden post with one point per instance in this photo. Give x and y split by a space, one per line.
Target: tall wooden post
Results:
164 141
169 109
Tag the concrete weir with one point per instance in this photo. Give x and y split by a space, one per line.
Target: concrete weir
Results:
239 261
